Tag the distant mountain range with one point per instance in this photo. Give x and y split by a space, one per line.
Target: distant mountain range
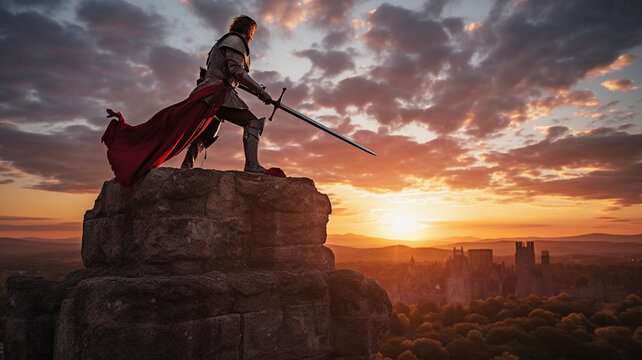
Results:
362 241
351 247
36 246
392 251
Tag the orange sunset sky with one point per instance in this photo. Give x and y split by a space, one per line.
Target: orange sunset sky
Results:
491 118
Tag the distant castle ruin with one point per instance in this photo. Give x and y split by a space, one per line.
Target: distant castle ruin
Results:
530 278
477 277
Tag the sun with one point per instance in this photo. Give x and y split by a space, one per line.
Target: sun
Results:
402 225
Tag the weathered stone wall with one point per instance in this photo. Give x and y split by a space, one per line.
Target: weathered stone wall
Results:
199 264
199 220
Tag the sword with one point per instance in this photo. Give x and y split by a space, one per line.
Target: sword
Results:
278 105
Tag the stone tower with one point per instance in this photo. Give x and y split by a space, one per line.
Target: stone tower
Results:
481 260
485 277
547 280
524 257
412 266
525 269
458 285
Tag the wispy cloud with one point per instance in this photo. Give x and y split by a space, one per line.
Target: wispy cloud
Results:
623 85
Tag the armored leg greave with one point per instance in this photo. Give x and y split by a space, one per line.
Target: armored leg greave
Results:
251 134
192 153
205 140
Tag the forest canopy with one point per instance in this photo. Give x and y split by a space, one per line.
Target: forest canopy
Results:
510 328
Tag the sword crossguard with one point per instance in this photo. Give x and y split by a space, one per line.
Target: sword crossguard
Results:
277 103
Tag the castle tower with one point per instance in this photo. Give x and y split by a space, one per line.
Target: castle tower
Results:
525 269
547 278
412 266
459 261
480 259
524 257
458 283
485 281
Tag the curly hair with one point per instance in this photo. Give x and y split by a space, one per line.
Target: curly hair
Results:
244 25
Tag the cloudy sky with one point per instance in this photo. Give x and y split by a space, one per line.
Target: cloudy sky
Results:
490 118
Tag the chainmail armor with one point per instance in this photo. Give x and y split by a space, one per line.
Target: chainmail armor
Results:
217 70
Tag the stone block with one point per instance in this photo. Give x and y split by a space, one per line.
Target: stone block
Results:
317 257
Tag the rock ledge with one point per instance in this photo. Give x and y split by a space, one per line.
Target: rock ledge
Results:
201 264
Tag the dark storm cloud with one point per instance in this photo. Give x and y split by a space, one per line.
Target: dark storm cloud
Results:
336 38
325 13
552 44
121 27
377 99
604 148
331 63
554 132
434 7
175 70
297 96
55 72
614 157
71 160
398 30
403 70
622 186
490 73
400 72
37 84
217 14
490 115
44 4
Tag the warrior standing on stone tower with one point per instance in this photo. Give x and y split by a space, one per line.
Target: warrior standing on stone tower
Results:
134 150
229 61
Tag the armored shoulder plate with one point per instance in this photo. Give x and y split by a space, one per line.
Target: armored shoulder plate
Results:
235 41
217 67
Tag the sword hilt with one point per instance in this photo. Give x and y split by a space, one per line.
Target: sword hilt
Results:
277 103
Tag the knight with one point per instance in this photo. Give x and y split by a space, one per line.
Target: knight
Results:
194 123
229 61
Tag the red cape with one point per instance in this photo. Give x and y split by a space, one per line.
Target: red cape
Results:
134 150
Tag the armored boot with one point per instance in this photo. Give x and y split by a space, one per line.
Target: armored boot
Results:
192 153
251 134
207 138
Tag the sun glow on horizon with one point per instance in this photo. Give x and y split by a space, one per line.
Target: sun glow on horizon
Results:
401 224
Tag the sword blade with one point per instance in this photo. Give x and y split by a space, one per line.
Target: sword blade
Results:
320 126
300 116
